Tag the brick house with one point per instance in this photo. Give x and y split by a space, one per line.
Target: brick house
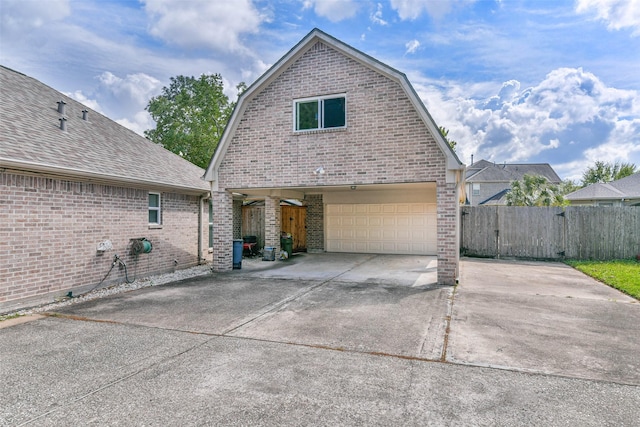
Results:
348 136
76 189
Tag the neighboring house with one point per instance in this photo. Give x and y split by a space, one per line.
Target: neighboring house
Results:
623 192
348 136
76 189
487 183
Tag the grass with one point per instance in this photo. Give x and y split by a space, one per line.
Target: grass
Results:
9 316
622 274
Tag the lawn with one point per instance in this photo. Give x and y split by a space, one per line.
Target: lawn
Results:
623 274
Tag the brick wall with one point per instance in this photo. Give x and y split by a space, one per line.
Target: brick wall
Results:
385 140
237 219
272 218
222 231
50 229
448 213
315 223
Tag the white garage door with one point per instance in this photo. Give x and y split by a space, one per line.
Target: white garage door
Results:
397 228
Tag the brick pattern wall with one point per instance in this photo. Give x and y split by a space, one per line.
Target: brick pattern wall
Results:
315 223
237 219
222 231
50 229
448 214
272 222
385 140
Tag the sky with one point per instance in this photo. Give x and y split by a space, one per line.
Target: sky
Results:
516 81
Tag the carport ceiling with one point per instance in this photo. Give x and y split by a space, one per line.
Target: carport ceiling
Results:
300 192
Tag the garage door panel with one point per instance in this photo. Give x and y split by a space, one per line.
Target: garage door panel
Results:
374 221
403 228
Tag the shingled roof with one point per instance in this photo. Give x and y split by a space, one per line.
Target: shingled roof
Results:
97 149
623 189
484 171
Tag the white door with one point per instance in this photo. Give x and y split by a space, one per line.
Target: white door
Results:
394 228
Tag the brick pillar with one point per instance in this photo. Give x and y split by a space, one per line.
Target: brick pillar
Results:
272 222
222 231
237 219
448 219
315 223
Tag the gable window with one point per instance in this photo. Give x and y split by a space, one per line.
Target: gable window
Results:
327 112
154 208
476 189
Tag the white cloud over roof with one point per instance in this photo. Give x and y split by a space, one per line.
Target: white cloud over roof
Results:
333 10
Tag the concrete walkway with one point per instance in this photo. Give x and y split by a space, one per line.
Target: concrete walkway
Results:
334 339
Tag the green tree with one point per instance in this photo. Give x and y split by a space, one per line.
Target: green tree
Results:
603 172
535 190
445 134
190 116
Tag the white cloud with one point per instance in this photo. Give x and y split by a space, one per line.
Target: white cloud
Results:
618 14
198 24
412 9
82 98
570 115
333 10
412 46
141 121
127 97
24 16
376 17
134 89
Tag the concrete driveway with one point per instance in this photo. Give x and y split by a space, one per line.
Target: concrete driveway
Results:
334 339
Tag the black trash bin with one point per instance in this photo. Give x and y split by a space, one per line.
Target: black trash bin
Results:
237 254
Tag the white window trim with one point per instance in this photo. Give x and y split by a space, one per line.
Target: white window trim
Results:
154 208
320 111
475 189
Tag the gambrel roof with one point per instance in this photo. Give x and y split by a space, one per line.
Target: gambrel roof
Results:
315 36
96 149
623 189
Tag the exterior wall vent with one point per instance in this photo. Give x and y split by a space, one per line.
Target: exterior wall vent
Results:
61 105
85 114
63 123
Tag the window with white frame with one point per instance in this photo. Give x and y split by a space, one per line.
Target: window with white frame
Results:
476 189
154 209
326 112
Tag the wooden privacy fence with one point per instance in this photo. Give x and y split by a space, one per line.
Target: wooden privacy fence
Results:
574 232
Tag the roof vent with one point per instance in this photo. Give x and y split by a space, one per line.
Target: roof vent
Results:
61 105
63 123
85 114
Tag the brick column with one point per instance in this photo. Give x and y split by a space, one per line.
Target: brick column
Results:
315 223
272 222
448 218
222 231
237 219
